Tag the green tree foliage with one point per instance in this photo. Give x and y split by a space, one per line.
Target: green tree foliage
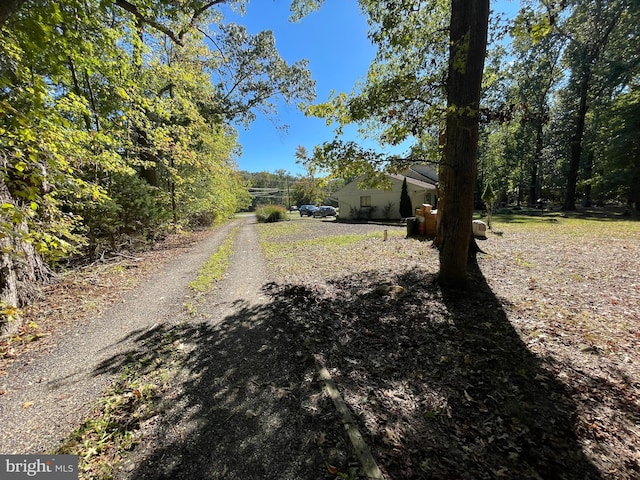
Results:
569 64
533 76
406 209
403 96
271 188
309 189
117 119
619 174
425 80
601 56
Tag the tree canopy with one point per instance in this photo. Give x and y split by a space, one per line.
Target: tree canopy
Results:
117 119
551 90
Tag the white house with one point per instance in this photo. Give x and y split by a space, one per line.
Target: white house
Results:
377 203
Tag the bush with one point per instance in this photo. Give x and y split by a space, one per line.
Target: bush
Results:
362 214
271 213
388 210
131 209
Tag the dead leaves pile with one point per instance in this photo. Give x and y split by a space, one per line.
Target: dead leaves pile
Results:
531 374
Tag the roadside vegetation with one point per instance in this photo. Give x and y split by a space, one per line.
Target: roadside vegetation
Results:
118 125
271 213
215 267
117 421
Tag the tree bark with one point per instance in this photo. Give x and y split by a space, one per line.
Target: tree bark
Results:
590 54
21 269
534 172
468 43
576 142
588 176
8 8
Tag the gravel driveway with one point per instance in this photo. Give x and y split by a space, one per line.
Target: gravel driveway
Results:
48 395
244 401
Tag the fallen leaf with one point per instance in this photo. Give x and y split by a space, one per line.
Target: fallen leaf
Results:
331 469
26 405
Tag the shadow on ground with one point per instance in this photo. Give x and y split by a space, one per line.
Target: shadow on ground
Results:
442 386
246 403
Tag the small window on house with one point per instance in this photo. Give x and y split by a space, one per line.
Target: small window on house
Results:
365 201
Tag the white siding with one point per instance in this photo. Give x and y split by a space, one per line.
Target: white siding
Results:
349 198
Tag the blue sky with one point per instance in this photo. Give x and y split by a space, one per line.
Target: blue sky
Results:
334 40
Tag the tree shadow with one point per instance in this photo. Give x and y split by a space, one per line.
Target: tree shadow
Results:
442 384
245 402
439 380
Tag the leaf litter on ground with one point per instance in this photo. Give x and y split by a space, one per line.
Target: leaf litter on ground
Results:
533 373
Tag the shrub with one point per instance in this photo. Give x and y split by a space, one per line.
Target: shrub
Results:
271 213
362 214
131 209
406 209
387 211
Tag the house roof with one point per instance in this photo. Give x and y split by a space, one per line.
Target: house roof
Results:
413 181
421 176
425 173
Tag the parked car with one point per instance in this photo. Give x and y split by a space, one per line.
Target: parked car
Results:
325 211
307 210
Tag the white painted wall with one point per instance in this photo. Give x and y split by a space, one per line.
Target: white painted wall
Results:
350 195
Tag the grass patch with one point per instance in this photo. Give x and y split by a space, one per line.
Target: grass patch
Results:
279 230
214 268
115 426
561 224
332 243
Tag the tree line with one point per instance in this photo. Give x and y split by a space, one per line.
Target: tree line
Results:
558 109
542 106
118 121
569 105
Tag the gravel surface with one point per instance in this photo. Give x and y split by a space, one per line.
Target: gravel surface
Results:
531 373
247 402
48 393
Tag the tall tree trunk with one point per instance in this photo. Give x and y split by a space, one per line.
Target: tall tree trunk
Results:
21 269
634 182
78 91
533 183
534 172
576 143
92 100
588 175
590 54
468 43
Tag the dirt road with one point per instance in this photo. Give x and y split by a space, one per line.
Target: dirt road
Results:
48 394
246 401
